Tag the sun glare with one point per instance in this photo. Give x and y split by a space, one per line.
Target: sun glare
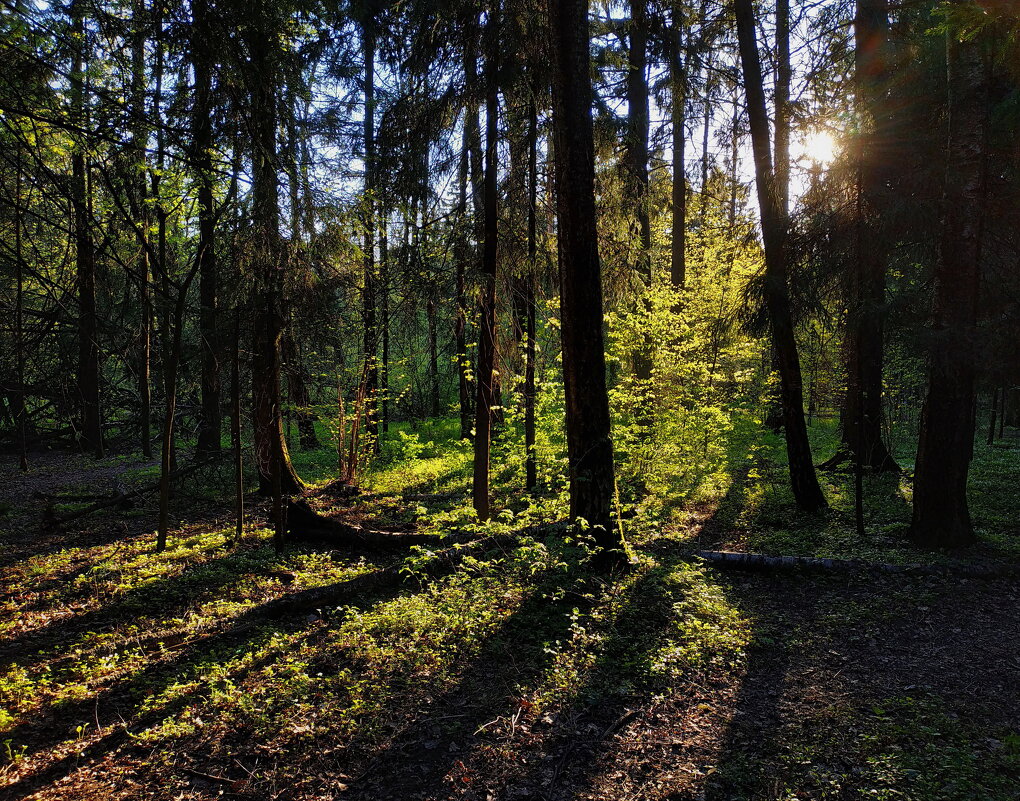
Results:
820 147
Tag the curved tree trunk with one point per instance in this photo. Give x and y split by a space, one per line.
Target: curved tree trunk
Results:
803 479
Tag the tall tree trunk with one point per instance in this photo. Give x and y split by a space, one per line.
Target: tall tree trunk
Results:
992 412
173 361
85 258
20 411
144 272
384 309
941 517
487 297
202 59
784 78
371 342
589 442
235 427
297 374
865 364
432 313
461 258
636 166
731 212
803 478
707 85
276 472
677 81
530 458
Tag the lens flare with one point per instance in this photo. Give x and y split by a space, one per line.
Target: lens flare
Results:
820 147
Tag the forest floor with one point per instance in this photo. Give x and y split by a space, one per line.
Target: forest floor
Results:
521 673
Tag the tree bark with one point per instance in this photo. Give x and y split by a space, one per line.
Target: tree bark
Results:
589 442
861 417
371 341
235 427
462 256
636 170
384 309
677 82
276 472
202 59
20 410
530 458
144 272
167 450
487 298
774 222
85 258
992 415
432 313
941 516
784 78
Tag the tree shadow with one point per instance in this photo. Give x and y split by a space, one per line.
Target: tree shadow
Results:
415 761
573 749
54 724
165 596
747 751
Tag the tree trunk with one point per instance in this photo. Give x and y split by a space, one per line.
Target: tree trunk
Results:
677 79
85 259
992 415
276 472
861 418
384 308
708 84
530 459
636 167
202 59
235 428
487 297
784 77
20 412
144 271
461 257
589 442
167 451
941 517
371 341
804 481
432 313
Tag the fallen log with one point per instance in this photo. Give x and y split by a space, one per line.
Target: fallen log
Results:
762 563
306 525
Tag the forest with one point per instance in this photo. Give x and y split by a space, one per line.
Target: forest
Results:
510 399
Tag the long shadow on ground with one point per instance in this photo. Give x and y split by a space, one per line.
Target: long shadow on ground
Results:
417 760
